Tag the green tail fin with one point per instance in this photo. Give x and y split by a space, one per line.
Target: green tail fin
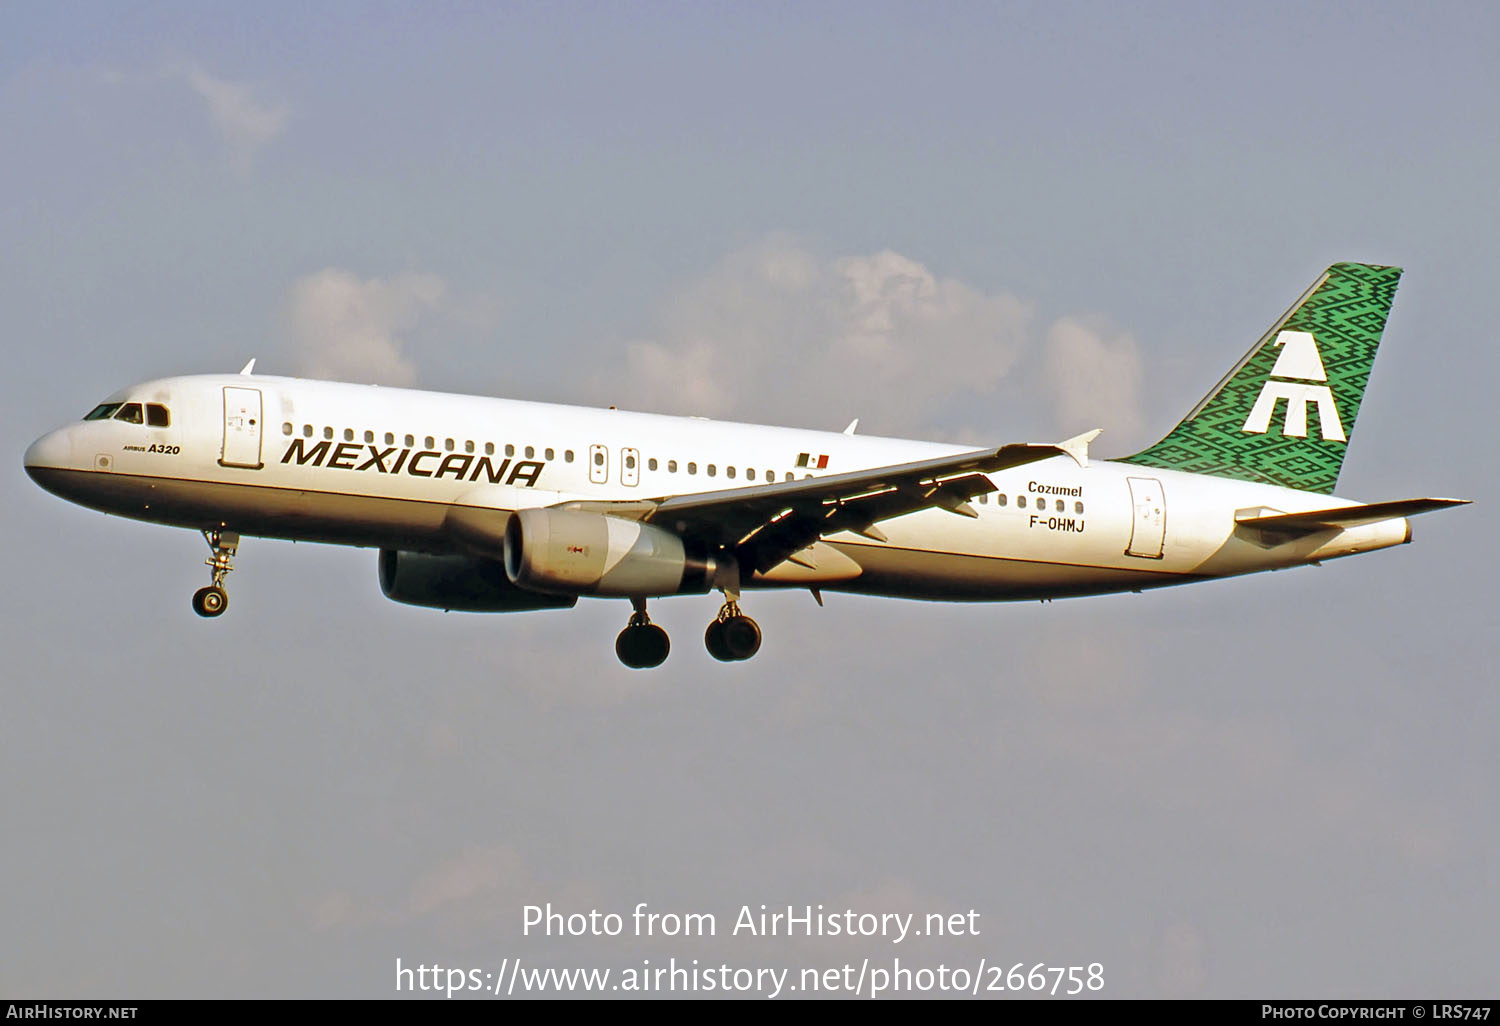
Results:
1284 415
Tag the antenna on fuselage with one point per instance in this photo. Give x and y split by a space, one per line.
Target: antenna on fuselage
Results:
249 368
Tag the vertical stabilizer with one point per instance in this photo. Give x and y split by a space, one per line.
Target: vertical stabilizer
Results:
1285 413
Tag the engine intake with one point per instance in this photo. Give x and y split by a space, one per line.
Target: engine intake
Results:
463 583
574 552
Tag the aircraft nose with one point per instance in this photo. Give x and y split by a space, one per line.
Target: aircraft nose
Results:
51 451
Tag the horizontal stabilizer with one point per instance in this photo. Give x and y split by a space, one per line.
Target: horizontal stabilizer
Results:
1343 516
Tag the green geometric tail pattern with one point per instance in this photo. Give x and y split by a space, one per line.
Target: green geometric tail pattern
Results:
1284 415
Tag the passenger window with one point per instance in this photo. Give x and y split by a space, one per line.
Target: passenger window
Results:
1077 507
984 500
629 462
692 468
348 434
448 444
567 455
157 415
510 450
306 430
1000 499
651 463
598 458
489 448
130 413
328 432
788 475
410 441
547 454
431 442
750 474
671 466
286 428
468 445
712 470
729 471
390 439
1021 501
530 453
103 411
369 437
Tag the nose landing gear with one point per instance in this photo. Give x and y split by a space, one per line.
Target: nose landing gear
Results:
642 644
213 600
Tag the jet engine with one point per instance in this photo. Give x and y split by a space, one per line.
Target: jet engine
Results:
464 583
575 552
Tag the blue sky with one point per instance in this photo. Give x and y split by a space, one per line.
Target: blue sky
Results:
984 222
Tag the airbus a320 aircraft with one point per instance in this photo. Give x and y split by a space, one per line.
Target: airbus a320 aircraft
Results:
496 505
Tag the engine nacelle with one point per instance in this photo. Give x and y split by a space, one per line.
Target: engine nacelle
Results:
463 583
574 552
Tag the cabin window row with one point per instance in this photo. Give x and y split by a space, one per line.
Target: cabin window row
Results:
653 464
429 442
1041 504
529 452
711 469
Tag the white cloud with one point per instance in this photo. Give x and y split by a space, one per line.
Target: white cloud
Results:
243 121
775 332
1094 377
355 330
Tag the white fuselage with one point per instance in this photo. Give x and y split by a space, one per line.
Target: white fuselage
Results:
386 467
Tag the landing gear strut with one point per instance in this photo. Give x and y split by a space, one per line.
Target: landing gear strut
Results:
642 644
213 600
733 636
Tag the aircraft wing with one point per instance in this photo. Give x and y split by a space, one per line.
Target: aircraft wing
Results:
1344 516
764 524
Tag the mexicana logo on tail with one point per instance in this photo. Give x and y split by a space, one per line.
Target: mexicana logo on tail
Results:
1298 364
1318 354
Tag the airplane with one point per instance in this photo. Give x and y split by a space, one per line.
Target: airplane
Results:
495 505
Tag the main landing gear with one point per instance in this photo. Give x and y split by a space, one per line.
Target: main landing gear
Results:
733 636
213 600
642 644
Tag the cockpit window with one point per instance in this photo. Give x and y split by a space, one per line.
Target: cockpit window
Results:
157 415
130 413
103 411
